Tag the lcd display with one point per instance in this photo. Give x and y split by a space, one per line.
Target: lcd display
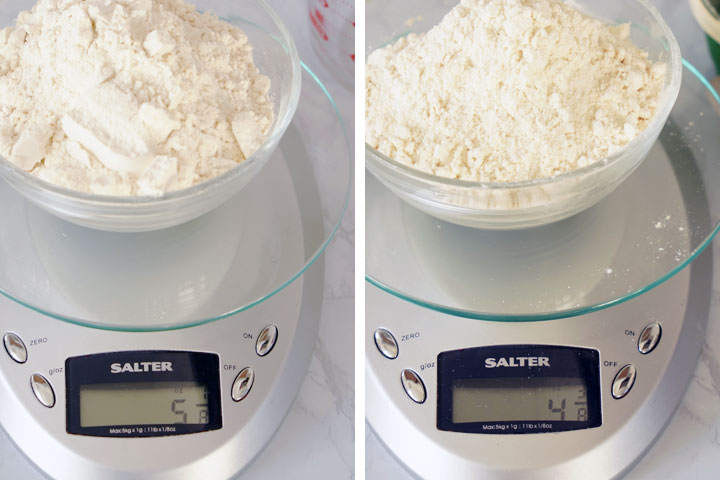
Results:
518 389
519 399
145 403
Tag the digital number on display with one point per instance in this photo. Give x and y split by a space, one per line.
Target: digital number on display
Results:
564 407
179 406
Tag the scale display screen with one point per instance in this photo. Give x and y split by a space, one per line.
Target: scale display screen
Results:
158 403
480 400
143 393
518 389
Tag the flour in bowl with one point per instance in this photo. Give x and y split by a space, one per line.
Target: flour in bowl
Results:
508 91
128 97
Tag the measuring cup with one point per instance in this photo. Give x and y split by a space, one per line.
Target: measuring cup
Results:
332 27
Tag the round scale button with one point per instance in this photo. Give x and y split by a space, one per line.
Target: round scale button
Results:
242 384
649 338
413 385
43 390
266 340
15 347
624 381
386 343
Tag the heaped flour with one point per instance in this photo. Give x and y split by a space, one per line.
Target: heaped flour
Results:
509 90
128 97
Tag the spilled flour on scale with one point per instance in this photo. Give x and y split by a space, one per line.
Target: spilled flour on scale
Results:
128 97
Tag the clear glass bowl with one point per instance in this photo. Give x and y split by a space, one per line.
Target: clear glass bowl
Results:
237 257
275 55
650 228
533 203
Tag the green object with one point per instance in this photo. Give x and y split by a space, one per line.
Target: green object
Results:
714 53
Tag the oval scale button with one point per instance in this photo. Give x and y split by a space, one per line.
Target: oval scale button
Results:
413 385
15 347
649 338
386 343
242 384
624 381
266 340
43 390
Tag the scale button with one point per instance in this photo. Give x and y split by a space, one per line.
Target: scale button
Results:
624 381
15 347
413 385
386 343
266 340
649 338
242 384
43 390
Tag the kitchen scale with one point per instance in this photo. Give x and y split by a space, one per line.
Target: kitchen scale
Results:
554 351
177 353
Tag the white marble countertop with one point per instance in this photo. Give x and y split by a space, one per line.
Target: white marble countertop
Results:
316 439
690 446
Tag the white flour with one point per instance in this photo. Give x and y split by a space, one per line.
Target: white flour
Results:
509 90
128 97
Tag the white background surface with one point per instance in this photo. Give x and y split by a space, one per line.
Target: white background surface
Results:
690 447
316 438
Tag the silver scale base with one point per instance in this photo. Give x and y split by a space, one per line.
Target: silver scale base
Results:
39 432
629 425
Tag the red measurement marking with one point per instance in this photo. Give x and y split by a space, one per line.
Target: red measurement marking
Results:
317 20
344 18
352 55
325 4
332 28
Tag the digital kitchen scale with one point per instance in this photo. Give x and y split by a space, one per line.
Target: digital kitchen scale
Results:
554 351
177 353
